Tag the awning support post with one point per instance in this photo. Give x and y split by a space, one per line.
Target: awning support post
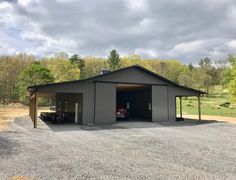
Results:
35 109
199 108
76 113
181 111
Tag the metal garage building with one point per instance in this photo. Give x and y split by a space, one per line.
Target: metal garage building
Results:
94 100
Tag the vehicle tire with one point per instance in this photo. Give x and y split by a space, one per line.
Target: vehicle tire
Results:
53 119
60 119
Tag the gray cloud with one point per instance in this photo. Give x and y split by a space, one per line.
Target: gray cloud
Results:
180 29
10 1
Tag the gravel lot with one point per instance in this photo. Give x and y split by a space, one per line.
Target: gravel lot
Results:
134 150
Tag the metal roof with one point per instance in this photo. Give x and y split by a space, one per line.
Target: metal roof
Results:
34 88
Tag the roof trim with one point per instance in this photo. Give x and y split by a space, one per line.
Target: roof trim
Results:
34 88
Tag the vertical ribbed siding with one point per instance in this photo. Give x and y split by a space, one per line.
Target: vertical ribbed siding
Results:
131 76
88 104
105 103
159 103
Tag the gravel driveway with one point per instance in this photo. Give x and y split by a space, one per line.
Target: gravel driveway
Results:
126 150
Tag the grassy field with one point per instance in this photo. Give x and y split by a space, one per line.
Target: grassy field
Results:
210 105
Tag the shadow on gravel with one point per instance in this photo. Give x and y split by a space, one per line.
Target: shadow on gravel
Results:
7 146
126 125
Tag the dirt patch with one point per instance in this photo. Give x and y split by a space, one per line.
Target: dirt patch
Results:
16 105
209 117
21 178
8 114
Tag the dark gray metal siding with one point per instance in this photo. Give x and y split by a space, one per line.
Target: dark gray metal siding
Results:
131 76
105 103
164 106
159 103
87 89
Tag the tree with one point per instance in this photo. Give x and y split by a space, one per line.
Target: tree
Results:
34 74
114 60
94 65
207 82
130 60
231 58
215 73
61 56
232 84
10 69
162 68
206 64
170 69
226 77
185 79
63 70
75 59
190 66
232 90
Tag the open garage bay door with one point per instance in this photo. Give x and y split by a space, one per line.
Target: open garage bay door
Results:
136 99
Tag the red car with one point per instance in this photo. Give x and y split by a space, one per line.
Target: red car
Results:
122 113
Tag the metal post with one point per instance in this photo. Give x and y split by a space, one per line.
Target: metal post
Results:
35 114
199 108
76 113
181 112
29 107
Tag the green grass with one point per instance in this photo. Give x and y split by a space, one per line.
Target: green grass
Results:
209 106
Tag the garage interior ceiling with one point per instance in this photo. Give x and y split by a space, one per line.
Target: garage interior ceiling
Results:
46 95
130 87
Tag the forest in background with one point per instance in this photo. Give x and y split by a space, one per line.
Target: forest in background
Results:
17 72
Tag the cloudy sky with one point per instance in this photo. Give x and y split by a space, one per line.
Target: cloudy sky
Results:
178 29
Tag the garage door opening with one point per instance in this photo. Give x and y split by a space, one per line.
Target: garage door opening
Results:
70 106
67 109
134 102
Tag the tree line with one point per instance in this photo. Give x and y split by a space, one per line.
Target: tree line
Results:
17 72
